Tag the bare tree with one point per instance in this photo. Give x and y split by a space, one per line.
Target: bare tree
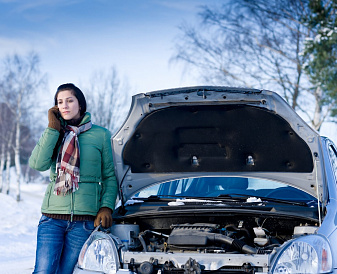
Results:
6 140
2 165
255 43
9 159
19 85
2 143
108 99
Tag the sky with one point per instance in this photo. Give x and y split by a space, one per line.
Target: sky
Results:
75 38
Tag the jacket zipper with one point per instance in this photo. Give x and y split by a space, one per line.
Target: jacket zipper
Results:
99 194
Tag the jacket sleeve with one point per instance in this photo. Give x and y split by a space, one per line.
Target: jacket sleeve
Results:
41 157
109 182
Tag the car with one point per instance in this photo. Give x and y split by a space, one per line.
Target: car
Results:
217 179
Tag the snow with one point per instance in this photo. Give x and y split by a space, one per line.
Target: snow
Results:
18 228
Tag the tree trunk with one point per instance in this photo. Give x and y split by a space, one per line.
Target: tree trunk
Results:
17 164
317 119
8 161
17 150
8 167
2 165
26 174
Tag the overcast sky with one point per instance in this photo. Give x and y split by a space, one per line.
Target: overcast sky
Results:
74 38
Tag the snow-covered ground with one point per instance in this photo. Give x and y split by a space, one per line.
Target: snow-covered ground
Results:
18 227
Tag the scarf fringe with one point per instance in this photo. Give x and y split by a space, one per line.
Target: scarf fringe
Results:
68 181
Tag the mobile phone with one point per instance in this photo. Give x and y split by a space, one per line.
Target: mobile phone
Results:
58 113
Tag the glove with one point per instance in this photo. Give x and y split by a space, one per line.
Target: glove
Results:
104 216
54 122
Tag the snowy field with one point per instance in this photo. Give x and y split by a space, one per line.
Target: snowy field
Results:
18 228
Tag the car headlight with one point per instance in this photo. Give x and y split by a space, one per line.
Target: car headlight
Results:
99 253
308 254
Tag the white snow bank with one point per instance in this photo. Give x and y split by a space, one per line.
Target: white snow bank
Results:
18 227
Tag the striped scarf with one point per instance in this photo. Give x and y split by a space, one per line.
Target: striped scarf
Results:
68 160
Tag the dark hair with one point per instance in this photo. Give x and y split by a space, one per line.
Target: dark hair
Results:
76 92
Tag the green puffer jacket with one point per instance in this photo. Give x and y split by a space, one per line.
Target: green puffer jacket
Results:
97 186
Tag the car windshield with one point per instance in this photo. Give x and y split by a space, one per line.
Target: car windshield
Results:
222 186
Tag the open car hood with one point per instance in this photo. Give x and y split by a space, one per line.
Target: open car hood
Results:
214 131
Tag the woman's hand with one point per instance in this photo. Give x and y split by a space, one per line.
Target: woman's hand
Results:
54 122
104 216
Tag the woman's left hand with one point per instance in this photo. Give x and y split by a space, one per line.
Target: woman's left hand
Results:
104 217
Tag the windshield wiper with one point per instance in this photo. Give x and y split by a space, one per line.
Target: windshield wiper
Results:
155 197
233 197
269 199
175 197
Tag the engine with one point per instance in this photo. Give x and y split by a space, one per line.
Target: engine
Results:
199 237
200 247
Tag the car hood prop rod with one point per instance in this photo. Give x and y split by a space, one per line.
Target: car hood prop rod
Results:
318 198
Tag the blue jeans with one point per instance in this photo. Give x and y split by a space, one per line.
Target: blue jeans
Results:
59 243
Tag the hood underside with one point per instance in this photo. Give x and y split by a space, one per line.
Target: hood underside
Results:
214 131
216 138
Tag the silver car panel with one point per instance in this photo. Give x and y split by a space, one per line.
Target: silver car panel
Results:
144 104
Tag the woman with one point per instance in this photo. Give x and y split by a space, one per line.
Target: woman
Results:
82 189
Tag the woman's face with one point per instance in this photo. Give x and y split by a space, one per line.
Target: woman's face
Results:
68 105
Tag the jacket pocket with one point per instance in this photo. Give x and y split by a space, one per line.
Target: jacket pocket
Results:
58 204
86 199
45 203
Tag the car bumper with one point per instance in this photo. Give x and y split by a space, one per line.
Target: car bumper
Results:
78 270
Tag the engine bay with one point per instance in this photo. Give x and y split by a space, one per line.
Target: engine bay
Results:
154 245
